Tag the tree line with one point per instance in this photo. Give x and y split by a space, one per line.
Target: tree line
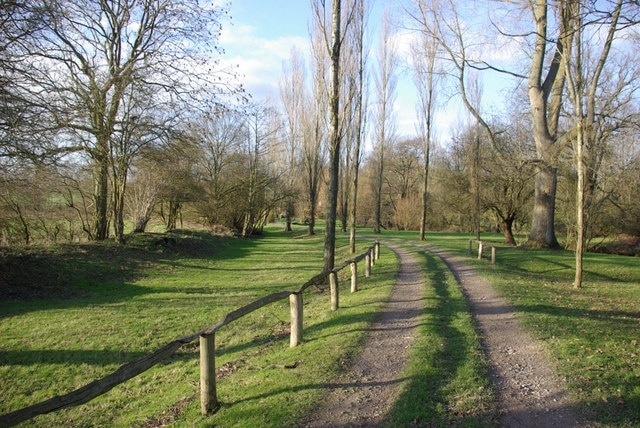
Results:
117 113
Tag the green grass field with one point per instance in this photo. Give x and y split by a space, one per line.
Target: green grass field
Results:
77 312
89 309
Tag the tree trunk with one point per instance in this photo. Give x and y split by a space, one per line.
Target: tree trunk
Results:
101 199
359 126
25 226
143 215
507 230
118 210
344 210
334 152
312 212
425 183
354 197
288 217
545 97
580 208
140 223
542 233
475 183
378 209
174 210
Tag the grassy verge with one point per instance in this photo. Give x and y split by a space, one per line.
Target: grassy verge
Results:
89 309
448 371
592 334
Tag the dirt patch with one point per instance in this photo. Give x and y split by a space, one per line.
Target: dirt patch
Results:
363 395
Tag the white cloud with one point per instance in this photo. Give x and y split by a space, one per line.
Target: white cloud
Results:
259 60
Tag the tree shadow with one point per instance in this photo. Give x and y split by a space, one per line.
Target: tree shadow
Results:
423 402
75 275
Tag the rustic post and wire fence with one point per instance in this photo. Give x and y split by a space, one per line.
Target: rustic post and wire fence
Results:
208 393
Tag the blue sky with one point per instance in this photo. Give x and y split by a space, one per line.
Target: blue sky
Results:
273 18
260 37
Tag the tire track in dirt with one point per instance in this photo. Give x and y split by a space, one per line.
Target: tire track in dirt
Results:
363 395
528 390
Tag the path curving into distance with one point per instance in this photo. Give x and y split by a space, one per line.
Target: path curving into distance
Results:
528 391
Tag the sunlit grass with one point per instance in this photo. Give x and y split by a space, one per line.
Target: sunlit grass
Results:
52 346
101 311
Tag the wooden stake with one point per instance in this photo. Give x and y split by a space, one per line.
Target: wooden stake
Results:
354 277
295 303
208 399
335 298
367 264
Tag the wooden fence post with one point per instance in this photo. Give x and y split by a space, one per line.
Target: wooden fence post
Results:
377 250
208 399
367 264
354 277
335 297
470 246
480 250
295 303
493 255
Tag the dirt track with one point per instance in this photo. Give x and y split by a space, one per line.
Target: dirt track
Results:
529 392
363 395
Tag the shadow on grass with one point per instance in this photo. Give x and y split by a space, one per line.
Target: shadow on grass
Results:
425 402
559 264
75 275
64 356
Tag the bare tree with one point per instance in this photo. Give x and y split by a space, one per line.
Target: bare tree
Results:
546 86
261 125
143 193
292 95
315 126
333 43
87 56
361 16
403 182
424 57
334 138
585 66
135 128
442 22
219 135
386 87
545 81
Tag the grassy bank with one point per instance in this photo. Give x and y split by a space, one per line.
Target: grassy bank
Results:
70 314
